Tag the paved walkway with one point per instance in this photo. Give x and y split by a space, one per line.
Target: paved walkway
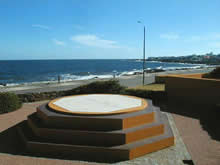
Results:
203 149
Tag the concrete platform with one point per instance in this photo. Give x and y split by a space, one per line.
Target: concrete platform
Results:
114 136
98 104
42 147
97 138
51 118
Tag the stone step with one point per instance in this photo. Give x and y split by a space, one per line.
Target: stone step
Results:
52 119
47 148
97 138
148 145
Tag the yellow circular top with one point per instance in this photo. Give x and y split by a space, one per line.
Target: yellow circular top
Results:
98 104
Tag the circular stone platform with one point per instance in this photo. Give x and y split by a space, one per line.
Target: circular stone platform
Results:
98 104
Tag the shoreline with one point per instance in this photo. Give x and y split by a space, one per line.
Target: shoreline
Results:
69 77
126 80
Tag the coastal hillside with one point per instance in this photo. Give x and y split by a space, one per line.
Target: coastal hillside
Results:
208 58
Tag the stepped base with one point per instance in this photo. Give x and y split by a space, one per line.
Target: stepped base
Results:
97 138
101 144
42 147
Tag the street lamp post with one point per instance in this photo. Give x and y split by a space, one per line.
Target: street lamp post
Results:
143 55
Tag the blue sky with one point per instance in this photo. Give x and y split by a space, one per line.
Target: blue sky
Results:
107 29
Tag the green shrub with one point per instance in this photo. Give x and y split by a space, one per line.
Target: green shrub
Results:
148 94
213 74
9 102
110 86
32 97
138 92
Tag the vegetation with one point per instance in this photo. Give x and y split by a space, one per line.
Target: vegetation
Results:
111 86
213 74
9 102
156 92
32 97
152 91
208 58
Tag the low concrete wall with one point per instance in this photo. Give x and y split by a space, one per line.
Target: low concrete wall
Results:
160 78
193 89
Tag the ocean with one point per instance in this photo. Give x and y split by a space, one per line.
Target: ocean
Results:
14 72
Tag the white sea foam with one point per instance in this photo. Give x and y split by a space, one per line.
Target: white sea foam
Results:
12 84
129 73
72 77
184 67
64 78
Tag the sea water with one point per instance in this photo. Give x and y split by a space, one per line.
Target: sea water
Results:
13 72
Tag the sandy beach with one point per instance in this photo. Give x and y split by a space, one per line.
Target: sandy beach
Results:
128 81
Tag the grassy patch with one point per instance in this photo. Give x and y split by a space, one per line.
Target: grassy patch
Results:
151 87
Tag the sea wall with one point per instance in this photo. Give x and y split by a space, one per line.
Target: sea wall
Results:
192 89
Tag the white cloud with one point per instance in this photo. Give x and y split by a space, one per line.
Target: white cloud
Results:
169 36
94 41
41 26
57 42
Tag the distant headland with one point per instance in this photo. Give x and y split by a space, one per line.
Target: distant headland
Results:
208 58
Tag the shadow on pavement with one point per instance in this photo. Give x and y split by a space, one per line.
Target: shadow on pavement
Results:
9 142
209 116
